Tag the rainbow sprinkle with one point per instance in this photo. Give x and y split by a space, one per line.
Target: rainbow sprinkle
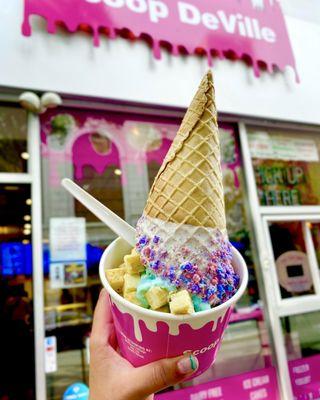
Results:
215 284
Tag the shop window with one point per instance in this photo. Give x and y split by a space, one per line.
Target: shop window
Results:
98 170
13 140
315 232
16 294
286 166
116 157
302 341
82 146
291 258
253 352
150 142
155 158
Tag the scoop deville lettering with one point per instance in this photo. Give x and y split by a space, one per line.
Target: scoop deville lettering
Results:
234 29
234 23
190 14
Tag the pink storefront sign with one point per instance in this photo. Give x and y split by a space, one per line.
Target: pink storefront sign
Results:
251 30
254 385
305 377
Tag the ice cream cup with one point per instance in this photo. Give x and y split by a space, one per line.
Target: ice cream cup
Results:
145 335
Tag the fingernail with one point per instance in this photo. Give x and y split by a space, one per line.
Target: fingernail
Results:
187 364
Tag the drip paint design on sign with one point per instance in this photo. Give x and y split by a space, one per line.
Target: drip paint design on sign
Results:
253 31
89 139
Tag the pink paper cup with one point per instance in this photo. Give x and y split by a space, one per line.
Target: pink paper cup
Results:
145 336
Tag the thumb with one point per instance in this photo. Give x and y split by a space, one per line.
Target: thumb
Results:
163 373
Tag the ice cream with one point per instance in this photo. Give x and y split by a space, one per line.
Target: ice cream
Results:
181 237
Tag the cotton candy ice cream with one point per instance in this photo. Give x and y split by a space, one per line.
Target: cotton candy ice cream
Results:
181 236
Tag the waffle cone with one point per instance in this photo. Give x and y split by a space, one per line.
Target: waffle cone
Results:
188 187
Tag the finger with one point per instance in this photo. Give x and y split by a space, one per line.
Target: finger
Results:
102 326
158 375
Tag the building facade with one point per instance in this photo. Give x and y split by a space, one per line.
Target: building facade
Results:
120 110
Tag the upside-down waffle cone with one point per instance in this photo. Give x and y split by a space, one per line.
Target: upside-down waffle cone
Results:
188 187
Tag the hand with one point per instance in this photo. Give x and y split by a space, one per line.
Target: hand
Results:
114 378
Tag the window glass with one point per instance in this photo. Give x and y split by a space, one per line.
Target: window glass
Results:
286 166
237 222
17 378
115 157
301 334
253 353
291 259
315 232
13 140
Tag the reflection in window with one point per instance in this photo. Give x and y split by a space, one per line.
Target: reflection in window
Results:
13 140
302 341
286 166
155 158
303 332
98 170
17 380
291 259
250 355
15 213
315 232
115 157
82 146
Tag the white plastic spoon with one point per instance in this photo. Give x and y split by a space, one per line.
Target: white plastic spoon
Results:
115 223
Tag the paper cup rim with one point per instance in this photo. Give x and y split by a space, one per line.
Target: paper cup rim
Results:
167 316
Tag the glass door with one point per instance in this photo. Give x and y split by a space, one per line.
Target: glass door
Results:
283 169
294 267
77 145
294 275
17 379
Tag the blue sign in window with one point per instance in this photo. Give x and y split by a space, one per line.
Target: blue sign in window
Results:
76 391
16 258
